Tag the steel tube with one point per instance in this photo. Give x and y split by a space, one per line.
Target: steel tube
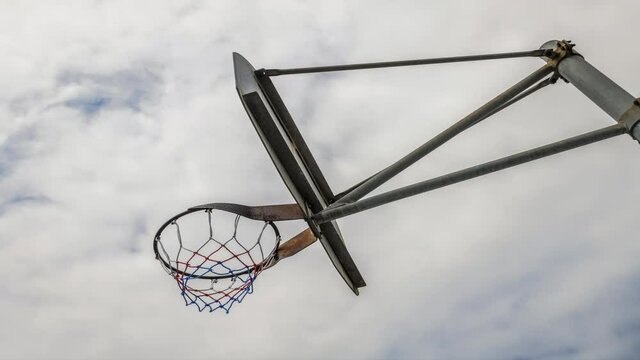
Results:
610 97
455 129
605 93
521 96
377 65
330 214
514 100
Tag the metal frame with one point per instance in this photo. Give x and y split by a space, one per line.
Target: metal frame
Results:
320 207
561 62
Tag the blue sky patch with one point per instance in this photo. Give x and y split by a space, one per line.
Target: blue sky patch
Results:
128 89
88 106
21 199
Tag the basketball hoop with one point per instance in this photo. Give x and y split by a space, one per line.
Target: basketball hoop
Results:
214 269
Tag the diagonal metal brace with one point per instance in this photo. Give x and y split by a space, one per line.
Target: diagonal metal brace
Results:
469 173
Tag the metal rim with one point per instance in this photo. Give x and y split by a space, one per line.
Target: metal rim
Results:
173 270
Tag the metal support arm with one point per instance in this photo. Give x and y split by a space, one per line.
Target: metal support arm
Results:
469 173
386 64
475 117
522 95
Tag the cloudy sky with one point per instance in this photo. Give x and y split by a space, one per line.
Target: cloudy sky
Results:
115 115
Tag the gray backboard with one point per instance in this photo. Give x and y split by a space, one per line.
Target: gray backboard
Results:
294 161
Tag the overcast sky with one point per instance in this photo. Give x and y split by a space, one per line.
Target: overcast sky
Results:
116 115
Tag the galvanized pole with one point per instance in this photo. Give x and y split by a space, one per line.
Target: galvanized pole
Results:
605 93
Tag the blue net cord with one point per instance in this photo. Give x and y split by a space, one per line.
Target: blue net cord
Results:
217 274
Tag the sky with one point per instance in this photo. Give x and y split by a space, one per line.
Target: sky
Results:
116 115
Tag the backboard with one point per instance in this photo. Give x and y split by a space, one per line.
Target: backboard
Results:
294 162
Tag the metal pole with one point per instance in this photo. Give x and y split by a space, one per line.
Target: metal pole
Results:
330 214
605 93
521 96
455 129
377 65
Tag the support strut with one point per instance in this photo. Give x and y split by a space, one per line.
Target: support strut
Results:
469 173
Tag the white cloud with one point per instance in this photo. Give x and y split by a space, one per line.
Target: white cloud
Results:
116 115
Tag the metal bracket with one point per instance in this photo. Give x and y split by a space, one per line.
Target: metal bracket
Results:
631 120
562 50
263 213
292 246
